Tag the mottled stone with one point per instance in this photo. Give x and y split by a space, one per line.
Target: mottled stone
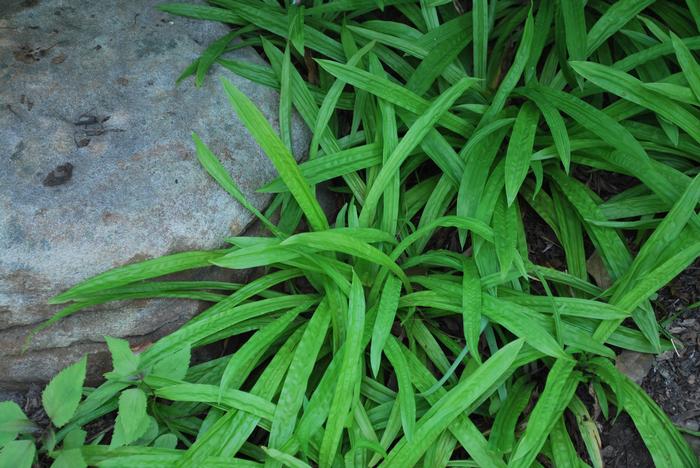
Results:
99 169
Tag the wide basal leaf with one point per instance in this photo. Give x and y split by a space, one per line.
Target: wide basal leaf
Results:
132 418
62 395
18 454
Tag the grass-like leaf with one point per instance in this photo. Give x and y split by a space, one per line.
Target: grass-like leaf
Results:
278 153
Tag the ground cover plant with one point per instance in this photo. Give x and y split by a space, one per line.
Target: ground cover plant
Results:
419 326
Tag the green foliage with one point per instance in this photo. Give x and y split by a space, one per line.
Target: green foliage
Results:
18 454
386 335
132 419
13 421
62 395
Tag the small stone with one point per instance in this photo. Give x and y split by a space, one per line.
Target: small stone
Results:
607 452
692 425
666 355
59 176
597 270
634 365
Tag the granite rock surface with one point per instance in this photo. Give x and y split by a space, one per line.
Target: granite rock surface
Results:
99 169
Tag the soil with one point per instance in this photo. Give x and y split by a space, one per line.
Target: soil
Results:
671 382
622 445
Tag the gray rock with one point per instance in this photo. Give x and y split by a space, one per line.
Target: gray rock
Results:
99 169
634 365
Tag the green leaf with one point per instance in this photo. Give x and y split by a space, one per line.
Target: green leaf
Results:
285 458
74 439
559 388
611 247
522 56
234 427
480 19
201 12
393 93
467 224
62 395
70 459
589 431
452 405
615 17
599 123
557 127
278 153
124 361
293 390
202 393
520 149
574 27
666 445
136 272
132 419
691 68
333 165
296 27
694 11
386 312
502 437
413 138
174 365
444 45
215 169
563 450
523 323
406 400
661 239
390 140
242 363
657 278
475 176
285 107
272 18
348 375
168 441
225 314
330 101
471 307
464 430
633 90
210 55
504 223
336 241
18 454
13 421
